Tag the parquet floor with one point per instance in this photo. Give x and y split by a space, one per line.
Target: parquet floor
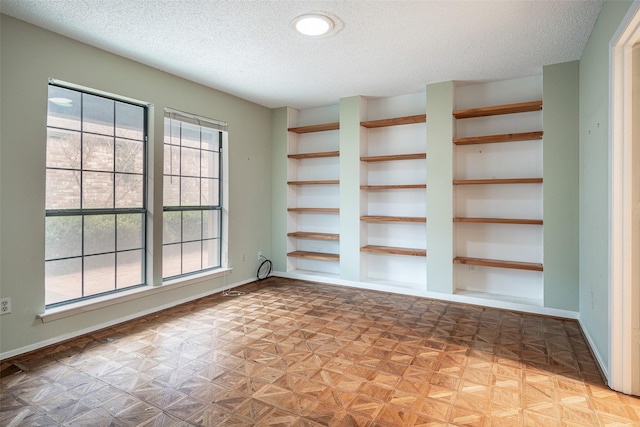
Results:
294 353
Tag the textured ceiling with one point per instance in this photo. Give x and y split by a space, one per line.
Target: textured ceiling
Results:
248 48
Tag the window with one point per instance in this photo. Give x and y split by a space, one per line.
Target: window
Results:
192 214
95 195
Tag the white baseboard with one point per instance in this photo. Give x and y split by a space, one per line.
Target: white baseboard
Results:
413 291
594 351
74 334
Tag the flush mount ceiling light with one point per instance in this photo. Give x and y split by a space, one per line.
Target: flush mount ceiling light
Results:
315 24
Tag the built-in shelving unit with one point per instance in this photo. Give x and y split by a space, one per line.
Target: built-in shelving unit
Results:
393 195
517 265
313 171
498 197
315 128
495 110
375 249
371 218
320 256
499 220
314 210
314 155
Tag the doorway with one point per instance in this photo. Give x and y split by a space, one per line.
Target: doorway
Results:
624 245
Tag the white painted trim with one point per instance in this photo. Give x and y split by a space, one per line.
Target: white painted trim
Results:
594 350
74 309
622 375
112 322
484 302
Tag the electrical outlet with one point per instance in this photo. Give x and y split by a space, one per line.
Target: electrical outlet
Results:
259 255
243 258
5 305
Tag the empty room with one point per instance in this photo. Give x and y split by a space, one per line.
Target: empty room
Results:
319 213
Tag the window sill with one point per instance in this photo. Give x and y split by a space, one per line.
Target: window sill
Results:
73 309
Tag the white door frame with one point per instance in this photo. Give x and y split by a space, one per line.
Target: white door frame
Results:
624 286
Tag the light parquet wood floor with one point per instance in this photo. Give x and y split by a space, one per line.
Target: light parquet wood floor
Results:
295 353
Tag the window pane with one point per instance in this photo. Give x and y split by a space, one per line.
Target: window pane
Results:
62 280
99 234
209 166
191 226
129 231
92 165
99 274
211 224
191 236
97 190
129 191
190 162
209 192
171 227
211 253
171 191
63 149
191 257
63 237
63 108
190 192
62 189
97 114
172 132
97 153
210 139
190 135
129 156
129 121
171 160
129 269
171 260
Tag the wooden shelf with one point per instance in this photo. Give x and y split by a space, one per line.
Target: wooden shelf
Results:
314 155
314 255
499 220
412 156
522 107
405 120
517 265
314 210
498 181
391 187
393 250
319 182
507 137
315 128
371 218
312 235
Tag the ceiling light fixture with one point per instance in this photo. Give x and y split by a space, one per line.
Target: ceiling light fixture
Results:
313 24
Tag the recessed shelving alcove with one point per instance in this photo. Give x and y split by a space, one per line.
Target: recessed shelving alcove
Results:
393 192
313 191
498 187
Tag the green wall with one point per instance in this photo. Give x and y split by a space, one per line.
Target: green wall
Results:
594 177
279 138
29 57
560 92
440 104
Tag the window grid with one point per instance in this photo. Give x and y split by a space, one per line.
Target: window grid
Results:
170 272
117 284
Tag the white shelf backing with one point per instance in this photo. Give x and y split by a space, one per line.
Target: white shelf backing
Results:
521 159
408 270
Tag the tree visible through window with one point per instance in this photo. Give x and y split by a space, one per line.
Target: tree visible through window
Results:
192 195
95 195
